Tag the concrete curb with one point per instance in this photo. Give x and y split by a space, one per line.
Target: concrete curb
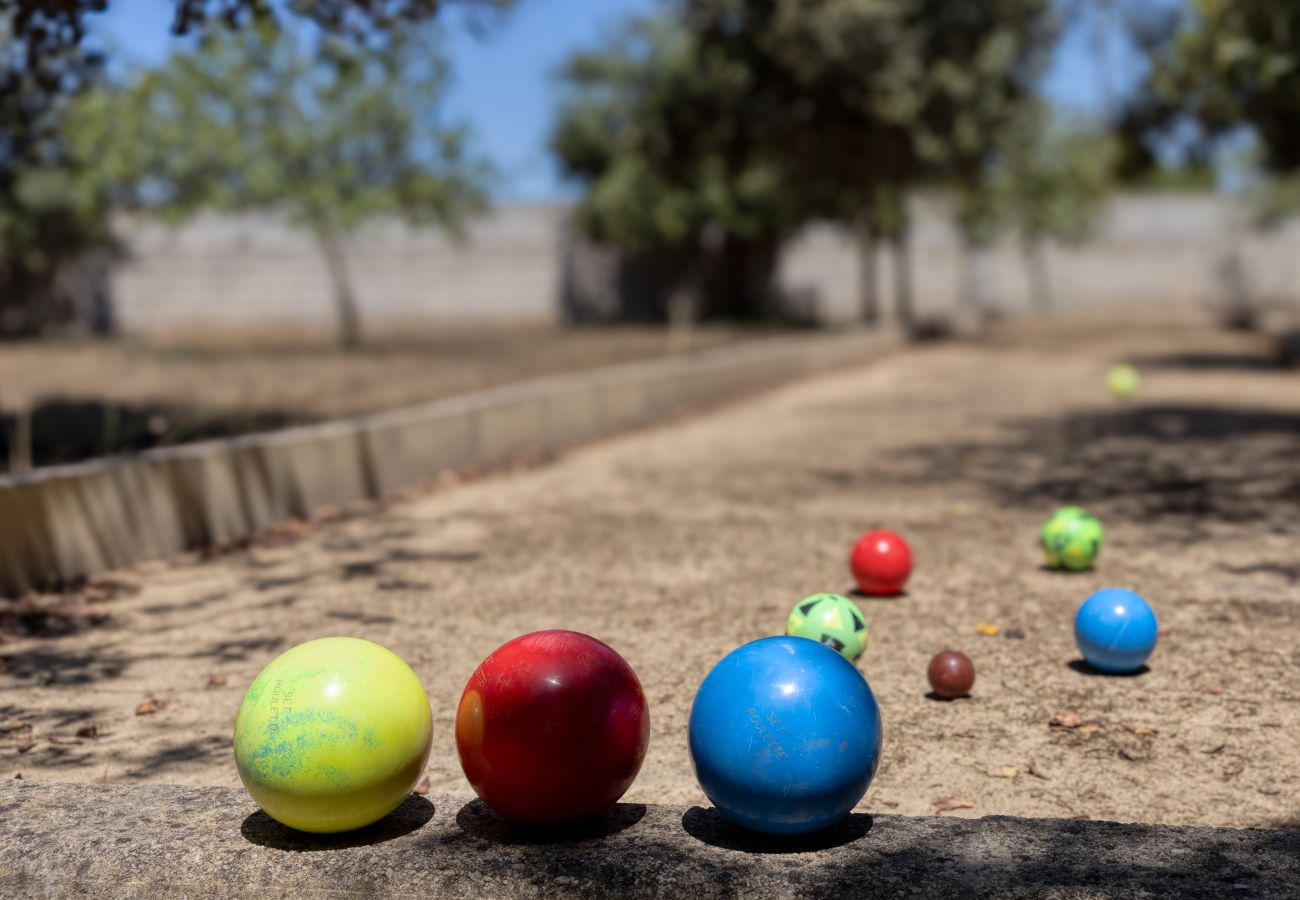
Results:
71 521
76 840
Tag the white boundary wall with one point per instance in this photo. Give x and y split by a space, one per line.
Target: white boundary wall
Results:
259 271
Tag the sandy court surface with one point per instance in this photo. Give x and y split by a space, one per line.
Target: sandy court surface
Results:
677 544
305 380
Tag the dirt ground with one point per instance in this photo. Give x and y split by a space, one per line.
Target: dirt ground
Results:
307 379
679 543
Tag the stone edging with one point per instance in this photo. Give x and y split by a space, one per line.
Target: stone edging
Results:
70 521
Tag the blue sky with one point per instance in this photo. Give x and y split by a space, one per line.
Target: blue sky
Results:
505 90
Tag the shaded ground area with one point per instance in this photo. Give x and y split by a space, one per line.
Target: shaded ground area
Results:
98 398
76 841
676 545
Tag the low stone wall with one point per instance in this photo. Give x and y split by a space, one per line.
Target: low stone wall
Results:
70 521
149 841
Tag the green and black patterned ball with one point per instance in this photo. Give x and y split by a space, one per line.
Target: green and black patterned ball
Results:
831 619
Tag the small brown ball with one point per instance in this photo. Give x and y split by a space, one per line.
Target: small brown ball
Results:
952 674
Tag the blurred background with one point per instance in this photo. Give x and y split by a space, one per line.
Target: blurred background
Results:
223 216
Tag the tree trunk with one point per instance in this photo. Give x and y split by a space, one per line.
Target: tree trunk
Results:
868 278
968 287
738 279
345 300
901 243
974 283
1040 281
683 309
20 442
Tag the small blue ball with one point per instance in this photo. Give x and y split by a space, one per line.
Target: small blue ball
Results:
1116 630
785 735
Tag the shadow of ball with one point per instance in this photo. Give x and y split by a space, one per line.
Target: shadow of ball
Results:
709 827
412 815
1083 667
476 818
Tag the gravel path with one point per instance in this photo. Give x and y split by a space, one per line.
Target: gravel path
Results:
676 544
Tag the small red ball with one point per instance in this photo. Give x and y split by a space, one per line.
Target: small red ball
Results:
552 728
952 674
881 562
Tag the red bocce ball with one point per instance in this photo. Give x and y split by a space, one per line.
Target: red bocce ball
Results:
881 562
552 728
951 674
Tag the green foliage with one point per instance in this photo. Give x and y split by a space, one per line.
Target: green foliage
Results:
248 119
1236 66
1055 181
358 19
884 94
756 117
1237 63
52 208
1044 182
48 213
669 142
746 119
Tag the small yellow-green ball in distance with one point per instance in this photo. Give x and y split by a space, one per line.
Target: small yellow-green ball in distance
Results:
333 734
1123 381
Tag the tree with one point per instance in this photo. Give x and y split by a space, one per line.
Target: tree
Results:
1055 185
878 97
249 120
668 140
50 214
1235 68
746 119
979 216
1044 181
47 214
1237 64
365 20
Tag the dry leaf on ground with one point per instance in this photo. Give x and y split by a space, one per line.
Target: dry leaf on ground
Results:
1066 719
1003 772
215 680
90 732
422 787
148 708
945 804
1037 772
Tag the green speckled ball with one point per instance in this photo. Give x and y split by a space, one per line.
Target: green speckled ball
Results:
831 619
332 735
1071 539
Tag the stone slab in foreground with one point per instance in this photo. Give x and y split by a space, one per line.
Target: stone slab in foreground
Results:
66 840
